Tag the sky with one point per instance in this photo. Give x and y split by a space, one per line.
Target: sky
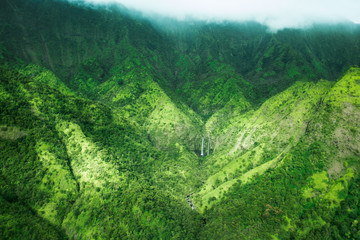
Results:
276 14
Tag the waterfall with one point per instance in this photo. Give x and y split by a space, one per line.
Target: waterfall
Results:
202 146
208 150
190 202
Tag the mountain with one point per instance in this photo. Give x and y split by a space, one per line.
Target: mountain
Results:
301 180
113 126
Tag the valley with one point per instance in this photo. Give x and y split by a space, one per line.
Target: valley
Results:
113 126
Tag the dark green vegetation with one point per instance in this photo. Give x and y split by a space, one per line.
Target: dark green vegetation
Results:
102 115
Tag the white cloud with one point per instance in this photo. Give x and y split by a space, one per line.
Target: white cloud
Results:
275 13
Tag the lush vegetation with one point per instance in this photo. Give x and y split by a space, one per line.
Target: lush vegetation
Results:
102 117
303 193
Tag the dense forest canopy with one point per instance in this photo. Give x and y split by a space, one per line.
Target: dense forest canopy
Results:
114 126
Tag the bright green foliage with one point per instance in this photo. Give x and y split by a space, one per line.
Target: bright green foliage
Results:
305 190
253 142
102 118
218 87
346 91
70 178
45 76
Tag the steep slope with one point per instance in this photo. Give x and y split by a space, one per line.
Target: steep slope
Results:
299 147
135 96
64 37
209 90
134 93
188 57
304 193
248 144
271 62
102 118
122 64
75 167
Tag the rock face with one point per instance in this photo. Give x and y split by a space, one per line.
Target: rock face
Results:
107 122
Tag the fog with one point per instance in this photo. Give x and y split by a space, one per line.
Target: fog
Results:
276 14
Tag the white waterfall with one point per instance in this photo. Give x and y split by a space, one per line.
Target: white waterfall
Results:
202 146
208 150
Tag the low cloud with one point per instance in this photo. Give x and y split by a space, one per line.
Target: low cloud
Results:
276 14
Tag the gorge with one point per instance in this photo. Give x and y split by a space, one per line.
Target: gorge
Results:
114 126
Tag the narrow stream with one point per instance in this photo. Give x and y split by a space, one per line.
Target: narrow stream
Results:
193 208
190 202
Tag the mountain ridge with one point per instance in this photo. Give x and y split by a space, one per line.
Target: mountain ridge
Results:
101 128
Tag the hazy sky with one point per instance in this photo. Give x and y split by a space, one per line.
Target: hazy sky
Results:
274 13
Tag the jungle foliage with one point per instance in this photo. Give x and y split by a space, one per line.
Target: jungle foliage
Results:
102 116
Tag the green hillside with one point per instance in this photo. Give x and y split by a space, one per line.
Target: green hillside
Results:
113 126
307 189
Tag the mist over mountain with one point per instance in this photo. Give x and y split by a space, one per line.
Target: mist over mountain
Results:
135 121
276 14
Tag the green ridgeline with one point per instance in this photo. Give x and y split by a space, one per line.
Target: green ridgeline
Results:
101 127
